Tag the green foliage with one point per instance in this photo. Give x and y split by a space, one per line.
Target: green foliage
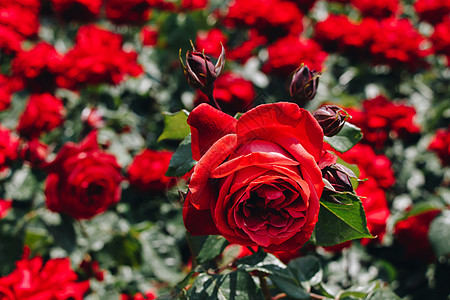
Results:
175 126
181 161
213 247
348 137
341 222
439 234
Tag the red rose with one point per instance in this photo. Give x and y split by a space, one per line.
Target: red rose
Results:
130 11
22 19
83 181
412 234
10 40
38 67
149 35
150 295
43 113
257 181
286 55
232 92
398 43
441 145
8 85
79 10
246 49
193 4
376 208
441 39
210 42
32 279
35 153
381 118
97 57
147 170
432 11
8 147
5 206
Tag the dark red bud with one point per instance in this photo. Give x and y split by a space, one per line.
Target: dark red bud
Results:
303 84
339 177
331 118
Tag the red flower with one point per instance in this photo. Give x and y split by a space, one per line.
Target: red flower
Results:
10 40
441 39
149 35
210 42
371 165
398 43
83 181
97 57
271 18
130 11
35 153
441 145
8 85
432 11
43 113
412 234
375 207
8 147
257 181
92 269
38 67
287 54
5 206
79 10
150 295
377 8
32 279
244 51
232 92
22 19
147 170
381 118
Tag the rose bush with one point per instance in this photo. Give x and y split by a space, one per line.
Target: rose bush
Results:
257 181
83 181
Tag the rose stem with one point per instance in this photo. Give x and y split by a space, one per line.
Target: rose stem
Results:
191 249
251 250
264 287
212 100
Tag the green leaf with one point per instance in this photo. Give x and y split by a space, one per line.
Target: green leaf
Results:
278 272
175 126
341 222
439 234
212 248
181 161
237 285
64 233
348 137
307 270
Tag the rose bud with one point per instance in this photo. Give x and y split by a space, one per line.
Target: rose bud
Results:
303 84
200 71
338 177
331 118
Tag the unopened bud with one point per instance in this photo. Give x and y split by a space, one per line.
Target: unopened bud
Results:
303 84
339 178
199 70
331 118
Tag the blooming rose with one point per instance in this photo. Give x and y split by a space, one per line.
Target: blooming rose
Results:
147 170
97 57
83 181
441 145
5 206
381 118
32 279
43 113
22 19
149 35
149 295
130 11
286 55
210 42
38 67
8 85
257 181
412 234
376 8
432 11
34 152
232 92
441 39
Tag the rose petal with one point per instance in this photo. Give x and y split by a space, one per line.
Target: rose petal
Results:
208 125
201 193
282 119
198 222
